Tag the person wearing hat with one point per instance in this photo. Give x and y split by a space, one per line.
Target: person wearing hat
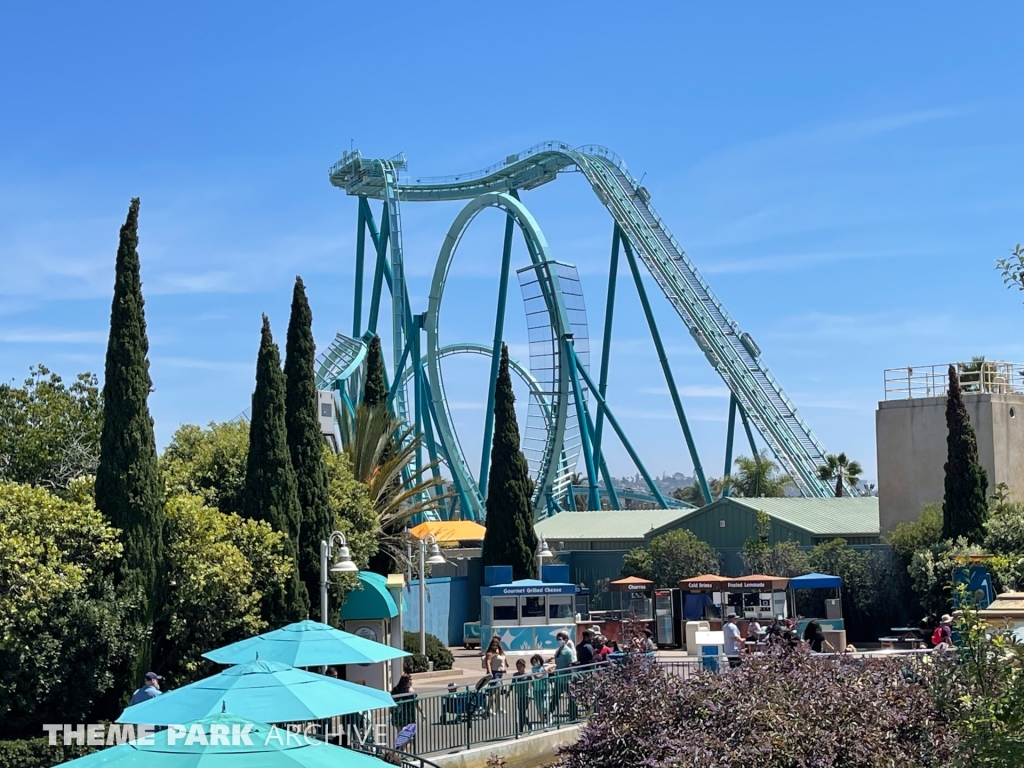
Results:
150 689
943 633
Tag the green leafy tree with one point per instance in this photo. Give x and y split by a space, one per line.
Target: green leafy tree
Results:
510 538
840 470
352 508
637 562
128 486
50 432
219 566
1012 269
270 489
305 441
909 537
375 391
692 494
965 506
679 555
64 631
758 477
982 688
784 558
208 462
1004 538
838 558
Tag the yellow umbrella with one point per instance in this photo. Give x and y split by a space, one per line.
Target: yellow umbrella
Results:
451 530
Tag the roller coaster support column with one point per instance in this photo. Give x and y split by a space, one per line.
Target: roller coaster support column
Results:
606 347
602 465
466 509
378 274
593 497
413 342
728 445
667 370
357 302
750 435
499 330
618 431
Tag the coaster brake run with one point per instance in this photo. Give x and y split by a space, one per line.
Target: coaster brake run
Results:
569 425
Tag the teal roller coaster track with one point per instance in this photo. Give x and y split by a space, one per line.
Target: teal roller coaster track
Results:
569 412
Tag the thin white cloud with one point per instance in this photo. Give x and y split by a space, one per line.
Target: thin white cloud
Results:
34 336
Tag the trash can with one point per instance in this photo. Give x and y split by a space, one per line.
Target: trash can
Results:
710 648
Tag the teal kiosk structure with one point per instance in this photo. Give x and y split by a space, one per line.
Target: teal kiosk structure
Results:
371 611
528 614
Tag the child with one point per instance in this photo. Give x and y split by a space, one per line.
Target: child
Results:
540 684
521 692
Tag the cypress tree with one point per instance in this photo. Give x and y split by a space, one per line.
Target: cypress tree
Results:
305 441
510 539
375 391
129 491
964 506
270 492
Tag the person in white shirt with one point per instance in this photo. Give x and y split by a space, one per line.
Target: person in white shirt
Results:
754 630
733 641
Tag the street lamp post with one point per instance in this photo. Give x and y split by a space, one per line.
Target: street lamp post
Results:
342 564
542 552
436 558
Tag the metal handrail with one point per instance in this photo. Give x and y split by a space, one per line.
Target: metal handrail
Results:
976 376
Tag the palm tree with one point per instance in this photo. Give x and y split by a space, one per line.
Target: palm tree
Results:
839 468
380 449
758 476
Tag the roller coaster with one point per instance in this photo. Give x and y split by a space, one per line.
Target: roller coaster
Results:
568 412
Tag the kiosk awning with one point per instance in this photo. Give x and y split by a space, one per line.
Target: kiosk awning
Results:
815 581
756 581
631 584
704 582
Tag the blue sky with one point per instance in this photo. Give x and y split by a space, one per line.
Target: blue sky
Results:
844 177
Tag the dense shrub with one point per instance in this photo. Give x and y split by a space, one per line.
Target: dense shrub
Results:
776 711
436 652
37 753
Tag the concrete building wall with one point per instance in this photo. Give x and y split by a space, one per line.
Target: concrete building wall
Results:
910 440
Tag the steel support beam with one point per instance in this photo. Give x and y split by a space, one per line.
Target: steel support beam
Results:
730 430
499 331
667 370
622 435
593 497
378 273
357 302
602 382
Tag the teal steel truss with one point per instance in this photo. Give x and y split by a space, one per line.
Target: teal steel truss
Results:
569 410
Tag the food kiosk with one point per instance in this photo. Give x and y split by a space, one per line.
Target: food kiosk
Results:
632 602
712 598
527 615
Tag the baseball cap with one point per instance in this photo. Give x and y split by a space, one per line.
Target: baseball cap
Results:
153 676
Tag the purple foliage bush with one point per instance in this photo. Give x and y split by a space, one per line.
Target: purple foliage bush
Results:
790 710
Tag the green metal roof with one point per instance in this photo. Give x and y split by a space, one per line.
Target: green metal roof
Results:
821 517
607 524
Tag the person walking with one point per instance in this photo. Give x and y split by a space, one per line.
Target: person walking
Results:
496 664
585 650
943 634
733 642
150 689
406 705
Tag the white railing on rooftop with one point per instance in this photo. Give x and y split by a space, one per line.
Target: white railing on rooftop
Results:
976 376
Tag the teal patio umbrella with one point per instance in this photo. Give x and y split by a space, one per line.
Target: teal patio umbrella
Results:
218 742
265 691
306 644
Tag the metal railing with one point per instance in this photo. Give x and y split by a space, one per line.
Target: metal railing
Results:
991 376
464 717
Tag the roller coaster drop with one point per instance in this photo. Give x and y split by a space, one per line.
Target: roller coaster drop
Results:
562 424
